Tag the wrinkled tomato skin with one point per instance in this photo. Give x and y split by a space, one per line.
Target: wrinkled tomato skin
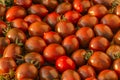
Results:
11 13
63 63
26 70
3 25
86 71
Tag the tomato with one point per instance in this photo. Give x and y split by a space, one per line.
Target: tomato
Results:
23 3
117 10
91 78
48 73
26 70
38 29
65 28
70 75
12 50
86 71
107 75
63 7
96 44
87 21
103 30
20 24
70 43
3 25
84 35
35 44
38 9
2 10
99 61
16 34
15 12
63 63
53 51
116 38
31 18
52 37
7 64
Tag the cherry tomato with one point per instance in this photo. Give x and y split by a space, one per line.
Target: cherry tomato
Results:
116 38
53 51
2 10
15 12
117 10
63 63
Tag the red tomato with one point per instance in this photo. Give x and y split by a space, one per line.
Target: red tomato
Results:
116 38
117 10
2 10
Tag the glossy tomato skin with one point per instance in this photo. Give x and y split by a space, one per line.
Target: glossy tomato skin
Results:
23 3
72 16
96 44
78 57
53 51
48 73
109 19
99 61
107 75
103 30
7 64
12 50
52 37
65 28
35 44
98 10
20 24
26 70
63 63
35 57
117 10
11 13
113 51
16 34
70 43
116 67
87 21
38 29
38 9
3 25
31 18
63 7
116 38
86 71
2 10
70 75
84 35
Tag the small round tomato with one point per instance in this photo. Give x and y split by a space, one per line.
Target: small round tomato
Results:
63 63
35 44
53 51
2 10
99 43
6 65
31 18
26 70
117 10
38 29
86 71
15 12
20 24
77 5
48 73
23 3
70 43
16 34
99 61
70 75
116 38
107 75
38 9
84 35
12 50
52 37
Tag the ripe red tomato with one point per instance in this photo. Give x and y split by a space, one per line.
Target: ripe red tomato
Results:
2 10
117 10
116 38
63 63
15 12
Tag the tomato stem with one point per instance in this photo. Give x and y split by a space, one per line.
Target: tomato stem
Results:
88 54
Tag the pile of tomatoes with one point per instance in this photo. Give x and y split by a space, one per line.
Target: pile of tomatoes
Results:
59 40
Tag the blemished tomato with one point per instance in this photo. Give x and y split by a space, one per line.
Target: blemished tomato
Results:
48 73
26 70
86 71
63 63
53 51
70 75
99 61
107 75
15 12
